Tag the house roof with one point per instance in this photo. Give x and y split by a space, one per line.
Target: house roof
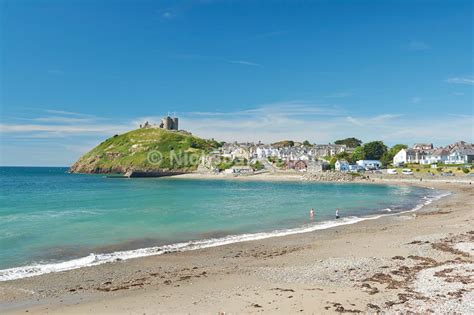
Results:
368 161
440 151
464 151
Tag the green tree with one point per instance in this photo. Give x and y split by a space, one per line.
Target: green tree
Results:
374 150
358 154
332 163
344 156
306 143
350 142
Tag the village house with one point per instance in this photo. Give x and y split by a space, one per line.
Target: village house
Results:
402 157
405 156
316 166
423 146
341 166
457 153
321 150
369 164
439 155
460 156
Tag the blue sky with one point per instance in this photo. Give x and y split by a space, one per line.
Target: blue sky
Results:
76 72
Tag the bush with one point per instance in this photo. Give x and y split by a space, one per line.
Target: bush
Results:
417 170
439 169
280 163
458 168
257 166
465 170
224 165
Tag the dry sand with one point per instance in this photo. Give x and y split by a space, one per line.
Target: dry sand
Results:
420 261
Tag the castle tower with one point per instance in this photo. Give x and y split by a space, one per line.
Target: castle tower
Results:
175 123
167 123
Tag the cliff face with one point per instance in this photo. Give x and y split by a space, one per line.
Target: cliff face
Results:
145 150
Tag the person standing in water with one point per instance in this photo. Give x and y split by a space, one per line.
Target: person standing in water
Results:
337 213
311 213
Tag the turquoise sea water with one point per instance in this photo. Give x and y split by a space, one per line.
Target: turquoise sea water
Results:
51 220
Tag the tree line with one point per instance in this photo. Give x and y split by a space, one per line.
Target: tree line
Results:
374 150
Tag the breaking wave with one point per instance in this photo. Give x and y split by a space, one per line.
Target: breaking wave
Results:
98 259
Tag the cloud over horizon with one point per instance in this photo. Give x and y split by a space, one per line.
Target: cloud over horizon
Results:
72 134
469 80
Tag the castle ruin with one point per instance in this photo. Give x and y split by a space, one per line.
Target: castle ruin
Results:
167 123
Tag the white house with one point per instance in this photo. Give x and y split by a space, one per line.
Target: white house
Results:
240 153
405 156
341 165
460 156
436 156
369 164
401 157
354 168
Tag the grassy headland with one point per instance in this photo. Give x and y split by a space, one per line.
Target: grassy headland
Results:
131 151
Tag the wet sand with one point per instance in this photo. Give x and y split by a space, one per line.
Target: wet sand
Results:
420 261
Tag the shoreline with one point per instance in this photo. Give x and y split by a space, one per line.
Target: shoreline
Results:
303 177
70 286
95 259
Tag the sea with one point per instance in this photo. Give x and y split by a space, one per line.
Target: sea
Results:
52 221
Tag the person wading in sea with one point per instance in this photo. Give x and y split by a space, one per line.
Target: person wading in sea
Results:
337 213
311 213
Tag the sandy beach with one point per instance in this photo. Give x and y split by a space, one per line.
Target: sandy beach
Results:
416 261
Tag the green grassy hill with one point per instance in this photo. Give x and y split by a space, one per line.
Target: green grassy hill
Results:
132 151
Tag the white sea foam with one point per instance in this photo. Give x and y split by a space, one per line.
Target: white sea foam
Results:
98 259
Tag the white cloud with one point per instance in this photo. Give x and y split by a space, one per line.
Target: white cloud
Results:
296 120
469 80
62 124
288 108
245 63
168 15
215 58
60 119
60 129
323 125
354 121
67 113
